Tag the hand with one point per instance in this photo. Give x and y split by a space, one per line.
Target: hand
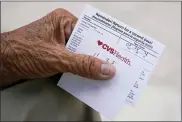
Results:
38 50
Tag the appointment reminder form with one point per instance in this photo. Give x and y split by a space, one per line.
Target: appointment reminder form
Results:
133 53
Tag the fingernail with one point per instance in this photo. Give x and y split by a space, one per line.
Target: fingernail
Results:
108 69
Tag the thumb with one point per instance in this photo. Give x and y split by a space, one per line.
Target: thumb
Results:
91 67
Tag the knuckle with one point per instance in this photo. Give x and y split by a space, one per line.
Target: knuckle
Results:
60 11
86 65
67 21
91 60
84 61
91 64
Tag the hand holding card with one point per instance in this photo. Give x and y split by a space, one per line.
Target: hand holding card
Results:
100 35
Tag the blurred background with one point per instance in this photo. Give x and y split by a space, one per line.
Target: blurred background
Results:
161 99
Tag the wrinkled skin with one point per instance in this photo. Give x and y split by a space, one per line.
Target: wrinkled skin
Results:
38 50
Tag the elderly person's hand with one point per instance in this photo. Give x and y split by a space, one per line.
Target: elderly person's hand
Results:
38 50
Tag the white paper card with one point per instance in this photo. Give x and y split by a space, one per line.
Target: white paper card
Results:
134 55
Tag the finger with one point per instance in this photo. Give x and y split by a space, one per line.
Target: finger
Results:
90 67
68 26
63 22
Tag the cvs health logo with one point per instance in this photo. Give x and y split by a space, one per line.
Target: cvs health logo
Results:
114 52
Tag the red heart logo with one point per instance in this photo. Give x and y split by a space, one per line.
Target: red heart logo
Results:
99 42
